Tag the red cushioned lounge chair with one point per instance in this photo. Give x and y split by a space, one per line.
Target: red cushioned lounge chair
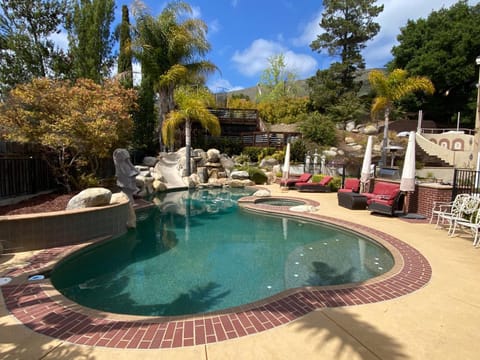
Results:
322 186
291 182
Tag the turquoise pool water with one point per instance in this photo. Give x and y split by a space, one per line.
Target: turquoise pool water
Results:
198 252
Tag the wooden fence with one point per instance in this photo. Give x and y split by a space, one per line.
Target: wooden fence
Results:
22 171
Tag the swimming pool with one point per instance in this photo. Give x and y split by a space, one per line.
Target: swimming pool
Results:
197 253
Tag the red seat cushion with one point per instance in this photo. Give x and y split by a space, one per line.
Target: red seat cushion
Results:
325 180
351 185
304 177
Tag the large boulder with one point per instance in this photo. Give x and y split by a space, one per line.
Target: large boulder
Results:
89 198
329 153
370 130
213 155
227 163
350 125
239 175
268 163
236 183
262 193
202 173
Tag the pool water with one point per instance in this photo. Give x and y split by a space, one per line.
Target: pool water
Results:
198 252
280 202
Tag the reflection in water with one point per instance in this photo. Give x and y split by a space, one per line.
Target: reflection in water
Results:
323 274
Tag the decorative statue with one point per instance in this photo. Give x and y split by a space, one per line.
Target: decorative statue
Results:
125 173
308 160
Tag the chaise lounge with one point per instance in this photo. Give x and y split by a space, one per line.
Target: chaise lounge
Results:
322 186
291 182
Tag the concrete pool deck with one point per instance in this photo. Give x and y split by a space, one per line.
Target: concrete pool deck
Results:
438 321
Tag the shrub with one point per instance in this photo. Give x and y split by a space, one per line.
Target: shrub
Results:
319 129
334 184
298 150
257 175
257 153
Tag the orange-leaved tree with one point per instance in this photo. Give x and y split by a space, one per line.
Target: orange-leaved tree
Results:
76 124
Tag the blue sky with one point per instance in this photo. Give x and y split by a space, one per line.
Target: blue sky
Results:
245 33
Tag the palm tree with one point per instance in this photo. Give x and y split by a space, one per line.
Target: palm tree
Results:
170 48
191 106
393 87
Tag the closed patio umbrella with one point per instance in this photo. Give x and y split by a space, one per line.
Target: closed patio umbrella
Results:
366 165
407 182
286 163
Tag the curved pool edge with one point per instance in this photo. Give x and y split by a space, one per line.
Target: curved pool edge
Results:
39 306
36 231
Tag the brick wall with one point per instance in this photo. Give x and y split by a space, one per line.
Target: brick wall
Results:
426 194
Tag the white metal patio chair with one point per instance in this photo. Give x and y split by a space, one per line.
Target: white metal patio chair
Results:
468 213
444 211
473 224
440 207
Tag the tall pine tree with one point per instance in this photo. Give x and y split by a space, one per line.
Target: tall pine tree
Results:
347 25
91 40
125 69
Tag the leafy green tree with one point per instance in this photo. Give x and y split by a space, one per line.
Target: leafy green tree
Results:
76 124
192 105
171 48
125 68
318 128
26 48
276 81
347 25
284 110
390 88
144 117
443 47
90 38
349 107
325 87
240 102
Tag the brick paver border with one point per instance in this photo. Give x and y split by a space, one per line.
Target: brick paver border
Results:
44 310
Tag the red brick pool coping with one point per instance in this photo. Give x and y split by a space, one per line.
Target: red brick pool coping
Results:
41 308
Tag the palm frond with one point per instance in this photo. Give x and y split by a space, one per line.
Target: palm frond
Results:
379 104
173 121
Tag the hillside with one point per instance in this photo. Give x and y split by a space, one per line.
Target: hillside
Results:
362 77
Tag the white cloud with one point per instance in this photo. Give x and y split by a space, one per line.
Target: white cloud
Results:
222 85
309 31
214 26
395 15
253 60
234 3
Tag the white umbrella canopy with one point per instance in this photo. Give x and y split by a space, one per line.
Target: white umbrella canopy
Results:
407 182
286 163
366 165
